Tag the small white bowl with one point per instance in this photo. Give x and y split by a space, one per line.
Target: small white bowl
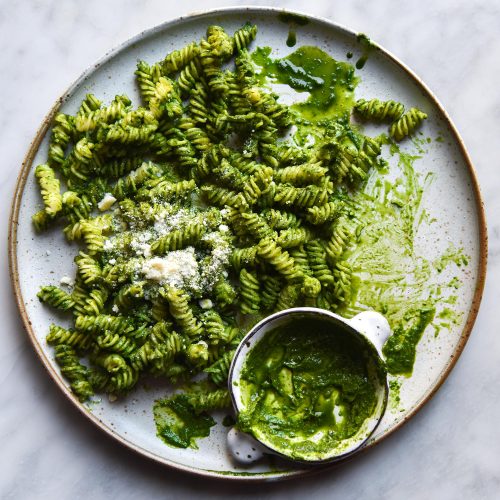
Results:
370 327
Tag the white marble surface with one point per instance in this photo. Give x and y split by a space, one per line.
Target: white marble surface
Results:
451 449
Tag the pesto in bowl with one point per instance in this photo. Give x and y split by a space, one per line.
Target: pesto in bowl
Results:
309 389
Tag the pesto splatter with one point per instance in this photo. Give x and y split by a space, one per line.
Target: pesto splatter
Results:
395 395
178 425
367 47
291 40
387 274
330 83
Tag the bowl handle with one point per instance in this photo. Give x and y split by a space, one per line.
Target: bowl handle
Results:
374 327
244 448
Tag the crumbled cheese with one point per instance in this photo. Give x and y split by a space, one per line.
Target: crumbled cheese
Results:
112 261
67 280
218 261
170 221
115 308
177 268
106 203
206 304
223 228
140 244
108 245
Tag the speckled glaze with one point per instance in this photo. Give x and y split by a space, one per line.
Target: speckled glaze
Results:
453 200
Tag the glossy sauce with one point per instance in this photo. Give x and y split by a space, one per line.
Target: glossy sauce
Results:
307 387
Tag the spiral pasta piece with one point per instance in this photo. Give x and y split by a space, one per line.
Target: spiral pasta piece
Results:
205 401
182 313
62 134
249 291
50 189
74 371
405 125
377 110
270 252
180 238
218 371
244 36
56 297
58 335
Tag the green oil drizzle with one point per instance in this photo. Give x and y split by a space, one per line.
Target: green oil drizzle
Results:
367 46
287 17
330 83
293 20
451 256
291 41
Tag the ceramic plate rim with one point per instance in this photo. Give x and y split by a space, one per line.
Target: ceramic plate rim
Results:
26 168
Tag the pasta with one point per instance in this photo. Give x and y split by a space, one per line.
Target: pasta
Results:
196 216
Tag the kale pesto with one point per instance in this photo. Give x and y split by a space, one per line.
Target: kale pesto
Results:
307 387
367 46
178 425
330 83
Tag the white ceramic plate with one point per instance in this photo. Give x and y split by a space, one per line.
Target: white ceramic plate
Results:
453 200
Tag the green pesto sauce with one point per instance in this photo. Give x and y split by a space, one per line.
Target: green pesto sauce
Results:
293 20
395 395
177 424
367 46
330 83
291 41
286 17
306 388
400 348
228 421
388 275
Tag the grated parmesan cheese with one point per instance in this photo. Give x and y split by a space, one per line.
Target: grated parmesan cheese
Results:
206 304
106 203
178 268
